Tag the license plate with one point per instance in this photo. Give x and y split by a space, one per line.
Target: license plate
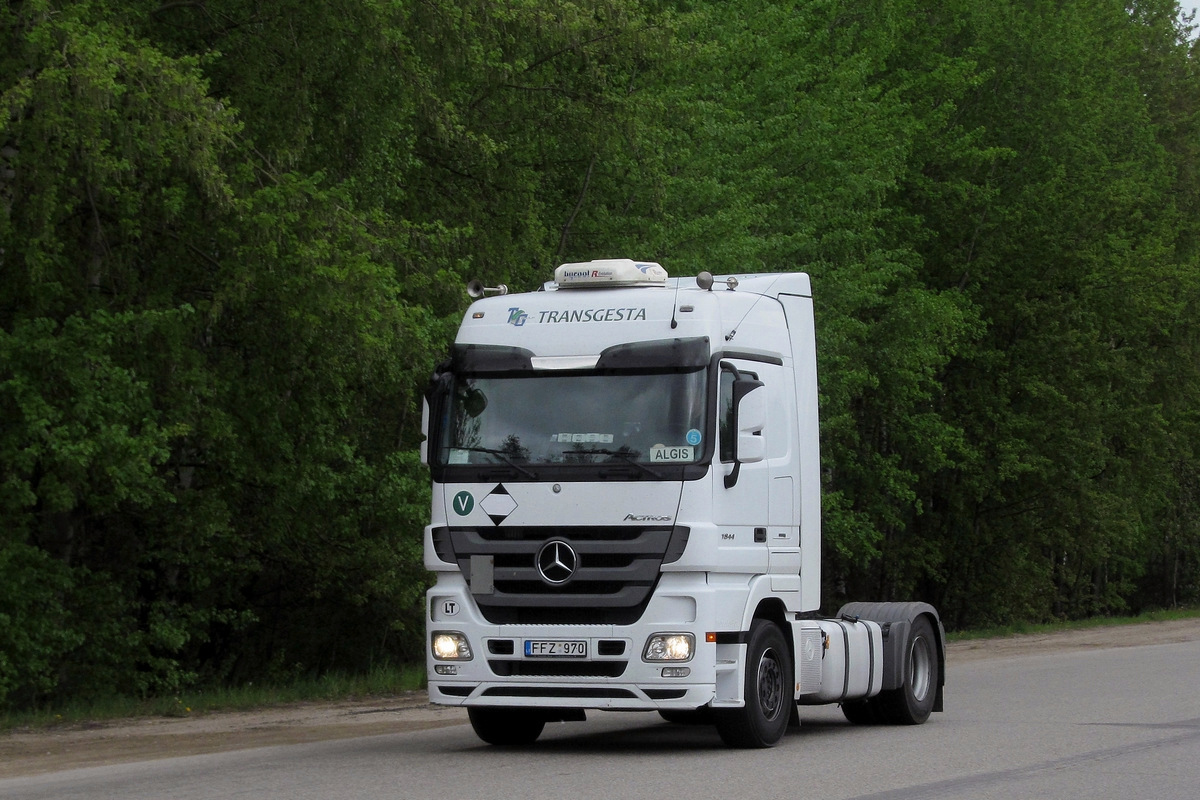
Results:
556 648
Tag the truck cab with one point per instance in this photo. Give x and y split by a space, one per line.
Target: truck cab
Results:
626 513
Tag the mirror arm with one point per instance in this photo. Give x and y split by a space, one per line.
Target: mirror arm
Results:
732 477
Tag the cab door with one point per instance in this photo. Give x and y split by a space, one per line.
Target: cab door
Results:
755 501
741 489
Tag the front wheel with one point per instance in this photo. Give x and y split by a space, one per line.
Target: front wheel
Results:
507 726
768 690
911 703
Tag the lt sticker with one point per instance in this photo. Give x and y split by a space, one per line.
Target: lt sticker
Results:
693 437
660 454
463 502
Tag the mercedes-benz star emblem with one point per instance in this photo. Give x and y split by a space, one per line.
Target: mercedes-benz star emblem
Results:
556 562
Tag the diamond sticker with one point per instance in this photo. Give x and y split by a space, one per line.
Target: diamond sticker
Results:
498 505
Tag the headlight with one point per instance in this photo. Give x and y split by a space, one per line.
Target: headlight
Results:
450 646
669 647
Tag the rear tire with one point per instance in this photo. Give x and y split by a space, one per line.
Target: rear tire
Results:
768 691
507 726
911 703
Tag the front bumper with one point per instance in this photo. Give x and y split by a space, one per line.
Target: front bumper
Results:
614 674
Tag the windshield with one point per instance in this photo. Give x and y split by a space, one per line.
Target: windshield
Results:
569 419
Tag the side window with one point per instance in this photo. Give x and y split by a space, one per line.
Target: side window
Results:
727 432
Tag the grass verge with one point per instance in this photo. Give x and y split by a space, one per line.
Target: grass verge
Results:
1071 625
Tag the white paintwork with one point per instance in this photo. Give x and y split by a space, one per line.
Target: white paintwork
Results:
765 327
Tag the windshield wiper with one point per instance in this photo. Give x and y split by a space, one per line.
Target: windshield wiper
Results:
624 455
507 457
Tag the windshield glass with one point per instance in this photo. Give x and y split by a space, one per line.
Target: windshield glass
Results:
575 419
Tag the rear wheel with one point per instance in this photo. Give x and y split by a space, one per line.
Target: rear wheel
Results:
507 726
911 703
768 691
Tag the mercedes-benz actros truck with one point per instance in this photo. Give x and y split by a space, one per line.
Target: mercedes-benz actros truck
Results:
626 515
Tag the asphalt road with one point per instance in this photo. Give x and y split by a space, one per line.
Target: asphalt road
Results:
1098 723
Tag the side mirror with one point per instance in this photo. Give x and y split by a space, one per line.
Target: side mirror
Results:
435 397
474 402
750 416
424 431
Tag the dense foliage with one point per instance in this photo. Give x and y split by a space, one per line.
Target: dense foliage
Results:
232 232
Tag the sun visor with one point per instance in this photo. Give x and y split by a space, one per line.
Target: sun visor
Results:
682 354
476 358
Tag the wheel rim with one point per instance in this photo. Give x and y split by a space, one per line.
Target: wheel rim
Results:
770 685
920 668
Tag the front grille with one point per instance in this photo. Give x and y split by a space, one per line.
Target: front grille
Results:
564 692
610 647
558 669
617 569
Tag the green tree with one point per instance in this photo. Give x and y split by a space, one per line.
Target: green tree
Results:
227 236
1066 244
202 358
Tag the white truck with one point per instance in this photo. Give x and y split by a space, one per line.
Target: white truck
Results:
626 515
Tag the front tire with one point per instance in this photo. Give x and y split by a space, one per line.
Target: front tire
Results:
768 691
507 726
911 703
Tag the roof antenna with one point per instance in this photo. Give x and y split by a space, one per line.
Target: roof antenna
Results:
675 306
732 284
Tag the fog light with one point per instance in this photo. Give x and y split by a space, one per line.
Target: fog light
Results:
450 646
669 647
445 669
676 672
